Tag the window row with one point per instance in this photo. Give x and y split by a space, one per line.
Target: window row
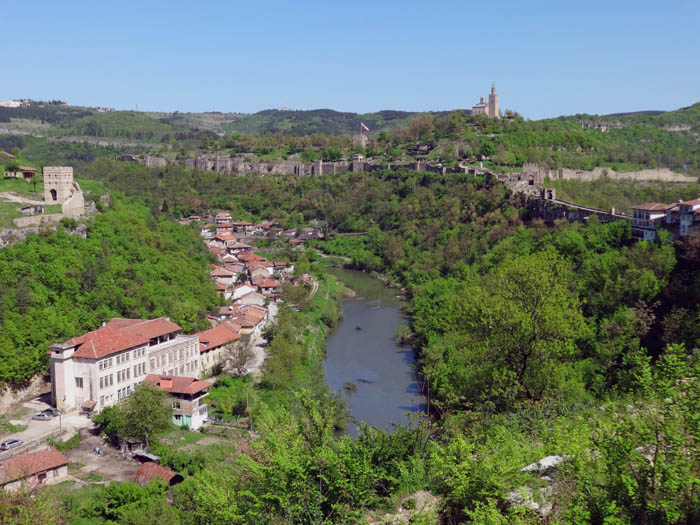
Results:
106 381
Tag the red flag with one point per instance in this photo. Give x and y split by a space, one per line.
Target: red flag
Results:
363 127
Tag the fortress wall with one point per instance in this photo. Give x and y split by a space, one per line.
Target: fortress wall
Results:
647 175
37 220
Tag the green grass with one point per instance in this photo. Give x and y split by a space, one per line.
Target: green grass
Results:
8 428
22 187
9 211
68 444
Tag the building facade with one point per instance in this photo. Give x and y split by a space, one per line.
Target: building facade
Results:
99 368
490 108
186 396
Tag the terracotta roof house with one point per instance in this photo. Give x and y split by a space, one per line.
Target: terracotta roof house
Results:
248 257
150 470
648 218
33 469
250 298
97 369
187 394
23 172
7 155
213 343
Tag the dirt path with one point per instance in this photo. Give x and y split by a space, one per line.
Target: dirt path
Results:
13 197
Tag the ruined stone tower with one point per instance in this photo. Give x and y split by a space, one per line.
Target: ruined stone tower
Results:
58 184
493 111
59 188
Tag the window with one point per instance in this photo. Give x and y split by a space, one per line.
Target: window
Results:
55 473
102 401
79 382
153 364
176 404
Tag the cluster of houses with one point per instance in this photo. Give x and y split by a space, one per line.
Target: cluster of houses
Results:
99 368
682 219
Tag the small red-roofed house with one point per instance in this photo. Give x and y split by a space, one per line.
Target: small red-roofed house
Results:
34 469
241 290
187 394
150 470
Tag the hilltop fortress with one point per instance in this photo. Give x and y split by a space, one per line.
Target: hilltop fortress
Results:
489 109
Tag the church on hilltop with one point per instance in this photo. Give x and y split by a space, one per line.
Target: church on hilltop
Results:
489 109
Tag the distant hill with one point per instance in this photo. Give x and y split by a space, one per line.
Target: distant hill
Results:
325 121
59 120
689 116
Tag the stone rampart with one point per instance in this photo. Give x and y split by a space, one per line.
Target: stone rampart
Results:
647 175
37 220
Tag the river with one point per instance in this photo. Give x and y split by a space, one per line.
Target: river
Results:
362 350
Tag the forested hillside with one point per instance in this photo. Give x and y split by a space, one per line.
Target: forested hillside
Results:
56 286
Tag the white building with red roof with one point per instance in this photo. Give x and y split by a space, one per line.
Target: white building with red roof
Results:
647 219
97 369
688 215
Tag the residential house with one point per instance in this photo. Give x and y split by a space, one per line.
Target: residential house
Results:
223 275
688 216
213 344
150 470
23 172
222 218
224 227
251 298
647 219
237 248
248 256
97 369
6 155
187 395
34 469
267 287
241 290
223 241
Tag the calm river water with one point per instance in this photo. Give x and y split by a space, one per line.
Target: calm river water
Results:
362 349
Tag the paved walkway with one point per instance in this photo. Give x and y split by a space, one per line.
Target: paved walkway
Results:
258 347
38 431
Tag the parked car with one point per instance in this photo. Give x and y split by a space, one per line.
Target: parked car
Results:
11 443
41 417
51 411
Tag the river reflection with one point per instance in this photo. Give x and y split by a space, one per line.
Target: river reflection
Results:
362 350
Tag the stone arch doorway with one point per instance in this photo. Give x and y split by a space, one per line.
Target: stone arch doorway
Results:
54 195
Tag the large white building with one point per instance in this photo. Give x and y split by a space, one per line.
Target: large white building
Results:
98 368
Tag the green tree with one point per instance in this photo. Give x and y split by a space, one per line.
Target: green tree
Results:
145 412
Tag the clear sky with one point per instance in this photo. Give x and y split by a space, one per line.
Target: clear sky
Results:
547 58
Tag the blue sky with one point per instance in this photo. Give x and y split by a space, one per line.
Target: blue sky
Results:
547 58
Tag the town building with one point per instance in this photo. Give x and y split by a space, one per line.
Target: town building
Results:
688 216
187 394
489 109
23 172
647 219
34 469
213 344
97 369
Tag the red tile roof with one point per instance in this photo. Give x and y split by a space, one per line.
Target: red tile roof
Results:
693 202
27 168
221 272
225 237
216 337
151 470
654 206
266 283
120 334
32 463
8 155
249 256
178 384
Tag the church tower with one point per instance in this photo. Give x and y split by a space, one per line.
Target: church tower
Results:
493 103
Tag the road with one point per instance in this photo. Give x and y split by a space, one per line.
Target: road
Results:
258 347
37 431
